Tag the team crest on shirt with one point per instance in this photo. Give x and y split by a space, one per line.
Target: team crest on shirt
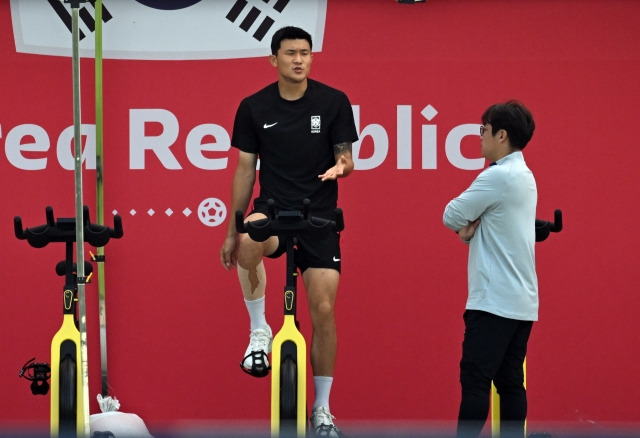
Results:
315 124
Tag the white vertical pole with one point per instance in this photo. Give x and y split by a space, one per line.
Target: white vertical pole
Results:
77 142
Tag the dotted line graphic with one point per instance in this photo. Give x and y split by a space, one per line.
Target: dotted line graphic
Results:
211 212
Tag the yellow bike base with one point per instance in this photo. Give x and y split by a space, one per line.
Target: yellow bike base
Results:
289 333
66 342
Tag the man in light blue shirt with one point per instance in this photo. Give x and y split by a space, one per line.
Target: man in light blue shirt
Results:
496 217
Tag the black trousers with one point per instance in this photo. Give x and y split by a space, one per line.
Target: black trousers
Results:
494 349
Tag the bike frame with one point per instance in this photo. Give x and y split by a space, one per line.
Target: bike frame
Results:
289 342
67 342
68 404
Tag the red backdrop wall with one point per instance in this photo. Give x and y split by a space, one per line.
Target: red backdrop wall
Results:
177 326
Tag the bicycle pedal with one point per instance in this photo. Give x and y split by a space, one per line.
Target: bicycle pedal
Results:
259 364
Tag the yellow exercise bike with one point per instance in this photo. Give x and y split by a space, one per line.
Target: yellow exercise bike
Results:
289 358
67 413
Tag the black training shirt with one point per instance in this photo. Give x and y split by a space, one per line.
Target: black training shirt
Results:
294 141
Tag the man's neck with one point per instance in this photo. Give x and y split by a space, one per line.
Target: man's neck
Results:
292 90
506 152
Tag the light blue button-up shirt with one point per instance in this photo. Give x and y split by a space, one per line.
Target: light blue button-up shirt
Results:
501 269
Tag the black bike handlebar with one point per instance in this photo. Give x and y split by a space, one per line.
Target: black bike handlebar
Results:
543 228
295 223
63 230
289 223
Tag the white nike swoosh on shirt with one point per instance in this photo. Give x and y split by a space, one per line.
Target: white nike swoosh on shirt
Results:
335 259
269 126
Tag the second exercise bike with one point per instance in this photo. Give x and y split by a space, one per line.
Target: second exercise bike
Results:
289 358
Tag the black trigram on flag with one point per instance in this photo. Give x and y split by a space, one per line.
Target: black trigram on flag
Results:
253 15
83 13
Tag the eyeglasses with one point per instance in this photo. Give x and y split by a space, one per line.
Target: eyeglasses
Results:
482 130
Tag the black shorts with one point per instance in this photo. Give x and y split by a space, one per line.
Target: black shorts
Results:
309 252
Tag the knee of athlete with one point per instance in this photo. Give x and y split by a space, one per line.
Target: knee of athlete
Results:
249 251
322 313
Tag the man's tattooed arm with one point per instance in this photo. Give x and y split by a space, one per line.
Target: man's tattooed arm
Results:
342 148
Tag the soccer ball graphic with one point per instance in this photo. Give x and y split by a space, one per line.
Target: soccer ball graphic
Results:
212 212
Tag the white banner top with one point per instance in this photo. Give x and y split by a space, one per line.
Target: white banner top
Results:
165 29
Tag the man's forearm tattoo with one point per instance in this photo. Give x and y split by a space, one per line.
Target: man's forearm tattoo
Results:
342 148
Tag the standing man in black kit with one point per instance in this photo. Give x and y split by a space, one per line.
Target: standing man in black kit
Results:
302 132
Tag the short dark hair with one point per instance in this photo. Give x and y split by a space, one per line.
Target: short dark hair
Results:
513 117
289 33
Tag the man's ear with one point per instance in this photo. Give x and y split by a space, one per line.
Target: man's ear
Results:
273 59
503 136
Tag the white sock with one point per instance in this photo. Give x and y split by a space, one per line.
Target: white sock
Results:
256 313
323 389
